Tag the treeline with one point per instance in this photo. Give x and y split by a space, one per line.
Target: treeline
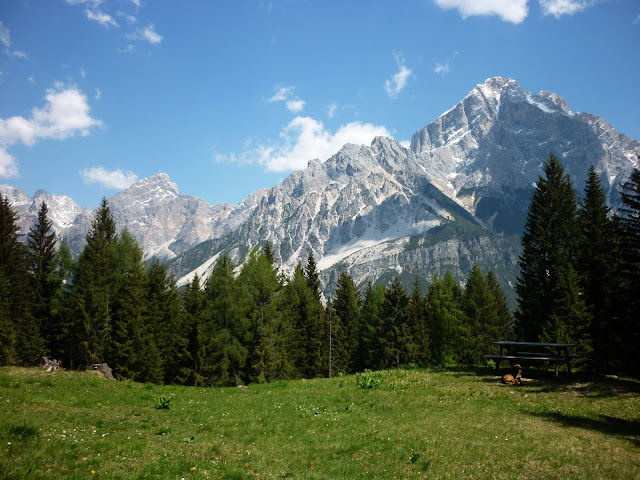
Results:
579 276
254 324
579 283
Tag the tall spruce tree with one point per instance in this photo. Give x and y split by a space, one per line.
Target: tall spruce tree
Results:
226 317
164 331
93 292
549 303
480 307
346 308
373 336
14 287
628 327
418 348
502 330
395 312
41 243
597 265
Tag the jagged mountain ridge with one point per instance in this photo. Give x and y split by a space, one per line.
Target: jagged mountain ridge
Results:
457 195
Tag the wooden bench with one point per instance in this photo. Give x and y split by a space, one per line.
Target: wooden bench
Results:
554 353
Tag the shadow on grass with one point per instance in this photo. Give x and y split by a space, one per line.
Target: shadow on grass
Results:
629 429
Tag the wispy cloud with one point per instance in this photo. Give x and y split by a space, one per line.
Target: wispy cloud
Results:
636 20
127 49
558 8
65 114
111 179
31 79
514 11
305 139
286 94
149 34
333 108
8 165
441 68
98 94
102 18
5 40
398 81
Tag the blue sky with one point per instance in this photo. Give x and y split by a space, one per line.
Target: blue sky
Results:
231 96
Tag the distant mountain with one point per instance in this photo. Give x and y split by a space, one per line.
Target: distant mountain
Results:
458 195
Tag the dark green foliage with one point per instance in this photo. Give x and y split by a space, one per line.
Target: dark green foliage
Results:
372 336
227 320
547 278
346 326
597 265
92 294
41 243
396 329
502 330
628 327
20 333
480 308
448 335
418 345
163 322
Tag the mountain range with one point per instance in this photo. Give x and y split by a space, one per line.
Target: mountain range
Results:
459 194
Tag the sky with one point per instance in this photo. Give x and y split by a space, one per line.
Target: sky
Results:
228 97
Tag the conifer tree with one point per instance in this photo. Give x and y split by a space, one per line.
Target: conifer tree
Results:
444 299
163 324
60 336
628 327
93 291
303 311
346 307
481 312
269 252
128 304
547 277
597 263
373 326
24 344
41 243
227 310
502 330
193 358
418 348
396 317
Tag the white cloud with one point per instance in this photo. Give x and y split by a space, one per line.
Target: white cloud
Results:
305 139
557 8
136 3
295 106
81 2
102 18
636 20
114 179
441 68
31 79
65 114
98 94
150 34
514 11
398 81
83 74
8 166
127 17
5 40
128 49
333 108
285 94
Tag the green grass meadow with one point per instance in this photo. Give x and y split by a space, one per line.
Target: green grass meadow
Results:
416 423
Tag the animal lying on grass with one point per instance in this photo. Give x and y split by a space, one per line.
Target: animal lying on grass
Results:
510 379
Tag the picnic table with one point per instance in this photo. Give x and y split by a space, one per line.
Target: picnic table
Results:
554 353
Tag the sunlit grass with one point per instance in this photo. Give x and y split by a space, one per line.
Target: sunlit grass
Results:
415 424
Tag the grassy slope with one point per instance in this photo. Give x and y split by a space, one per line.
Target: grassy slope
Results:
416 424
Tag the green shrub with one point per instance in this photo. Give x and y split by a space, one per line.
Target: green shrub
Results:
368 379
